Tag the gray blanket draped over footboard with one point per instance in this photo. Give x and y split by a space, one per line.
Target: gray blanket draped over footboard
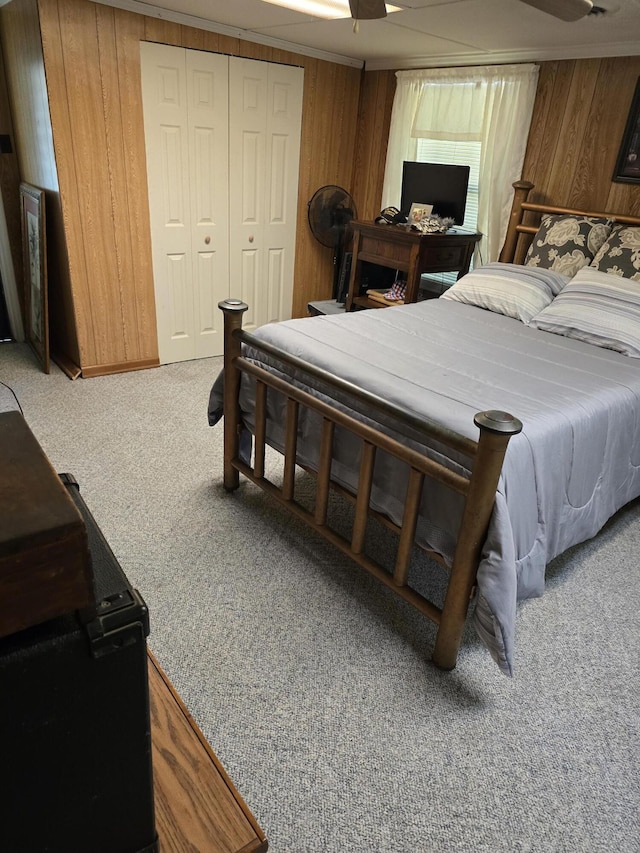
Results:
576 462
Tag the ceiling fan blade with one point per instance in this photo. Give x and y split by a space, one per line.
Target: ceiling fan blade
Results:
566 10
364 10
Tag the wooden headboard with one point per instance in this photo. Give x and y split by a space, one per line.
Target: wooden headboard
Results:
519 234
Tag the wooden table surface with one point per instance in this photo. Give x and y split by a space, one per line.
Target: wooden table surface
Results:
197 806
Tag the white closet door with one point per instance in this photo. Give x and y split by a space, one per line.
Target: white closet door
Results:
208 109
265 116
223 147
185 99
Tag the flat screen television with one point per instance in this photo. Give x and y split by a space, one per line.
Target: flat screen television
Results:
443 186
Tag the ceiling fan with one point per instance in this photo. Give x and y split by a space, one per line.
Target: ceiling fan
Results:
367 10
566 10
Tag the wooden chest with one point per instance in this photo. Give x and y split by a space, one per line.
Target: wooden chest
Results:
45 565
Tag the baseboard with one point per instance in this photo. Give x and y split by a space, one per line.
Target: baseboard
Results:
118 367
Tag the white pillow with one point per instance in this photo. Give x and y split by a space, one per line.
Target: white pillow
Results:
509 289
599 308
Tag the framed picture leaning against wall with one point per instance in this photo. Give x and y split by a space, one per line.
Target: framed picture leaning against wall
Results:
34 254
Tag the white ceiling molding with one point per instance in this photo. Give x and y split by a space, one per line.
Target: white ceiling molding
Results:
222 29
499 58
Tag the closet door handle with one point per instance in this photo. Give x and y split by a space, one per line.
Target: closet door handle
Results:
251 238
207 240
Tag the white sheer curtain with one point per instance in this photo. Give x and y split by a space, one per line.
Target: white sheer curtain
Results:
491 104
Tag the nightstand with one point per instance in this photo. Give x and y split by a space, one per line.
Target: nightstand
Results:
402 248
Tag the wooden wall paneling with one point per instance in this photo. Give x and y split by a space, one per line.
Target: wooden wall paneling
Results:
548 123
61 122
329 127
579 115
164 32
598 147
193 39
129 32
374 119
309 253
109 64
313 265
226 44
623 197
84 87
537 153
565 176
344 120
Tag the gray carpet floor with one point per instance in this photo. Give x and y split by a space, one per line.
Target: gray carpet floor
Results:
313 683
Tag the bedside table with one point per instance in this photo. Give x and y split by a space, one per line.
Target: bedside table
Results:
399 247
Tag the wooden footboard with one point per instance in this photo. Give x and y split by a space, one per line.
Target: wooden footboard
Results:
486 455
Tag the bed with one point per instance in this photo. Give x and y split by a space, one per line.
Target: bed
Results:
493 428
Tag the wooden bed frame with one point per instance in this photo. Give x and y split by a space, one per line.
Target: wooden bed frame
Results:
487 454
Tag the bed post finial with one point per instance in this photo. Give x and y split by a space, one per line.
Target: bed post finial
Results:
521 190
233 309
496 428
498 422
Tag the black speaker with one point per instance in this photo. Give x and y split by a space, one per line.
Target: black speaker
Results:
75 735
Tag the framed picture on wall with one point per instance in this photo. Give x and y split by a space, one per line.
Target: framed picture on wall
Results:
628 164
34 256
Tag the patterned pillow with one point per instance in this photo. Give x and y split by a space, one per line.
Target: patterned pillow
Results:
566 243
597 308
509 289
620 255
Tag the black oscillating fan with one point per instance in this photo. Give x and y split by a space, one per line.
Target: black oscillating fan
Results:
330 211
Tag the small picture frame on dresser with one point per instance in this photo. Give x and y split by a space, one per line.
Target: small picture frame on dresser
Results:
419 211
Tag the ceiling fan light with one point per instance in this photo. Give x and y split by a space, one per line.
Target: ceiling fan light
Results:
327 9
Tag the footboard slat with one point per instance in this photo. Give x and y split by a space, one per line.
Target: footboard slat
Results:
291 444
365 479
324 472
261 428
408 531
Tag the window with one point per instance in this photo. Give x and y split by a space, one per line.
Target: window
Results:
489 107
455 154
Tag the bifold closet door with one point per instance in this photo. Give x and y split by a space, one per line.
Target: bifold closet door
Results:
185 98
223 149
265 119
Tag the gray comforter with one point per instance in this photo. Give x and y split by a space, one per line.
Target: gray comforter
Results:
575 463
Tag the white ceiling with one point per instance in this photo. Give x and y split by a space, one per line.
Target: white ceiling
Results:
426 33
